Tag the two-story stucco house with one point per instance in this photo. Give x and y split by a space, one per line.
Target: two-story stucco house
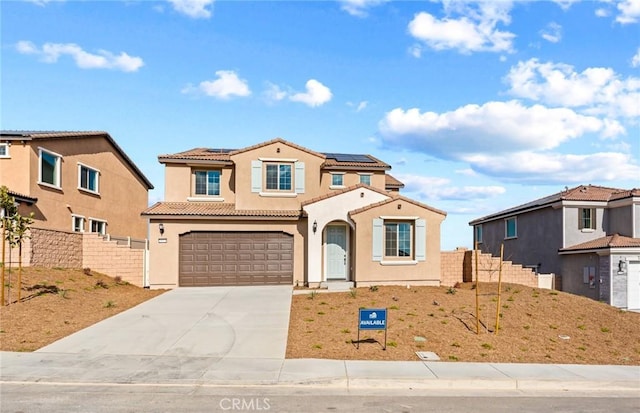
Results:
74 182
588 235
279 213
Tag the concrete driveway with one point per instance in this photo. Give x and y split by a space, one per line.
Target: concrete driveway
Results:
235 322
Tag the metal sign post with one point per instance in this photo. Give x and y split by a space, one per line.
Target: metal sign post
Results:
372 319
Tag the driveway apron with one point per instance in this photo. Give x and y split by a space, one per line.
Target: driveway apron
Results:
222 322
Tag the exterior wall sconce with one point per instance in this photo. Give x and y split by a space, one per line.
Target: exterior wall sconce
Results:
161 228
622 266
315 226
399 206
361 194
277 150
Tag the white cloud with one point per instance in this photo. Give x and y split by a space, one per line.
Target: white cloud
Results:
273 93
227 85
552 33
546 168
197 9
434 188
362 106
635 60
466 172
51 52
565 4
629 11
359 8
316 94
42 2
597 90
602 12
474 30
500 127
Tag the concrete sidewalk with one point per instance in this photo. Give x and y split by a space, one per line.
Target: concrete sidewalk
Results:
227 371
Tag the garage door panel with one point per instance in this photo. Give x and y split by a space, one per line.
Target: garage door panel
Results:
235 258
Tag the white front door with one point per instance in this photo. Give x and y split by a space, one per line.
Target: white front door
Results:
336 252
633 285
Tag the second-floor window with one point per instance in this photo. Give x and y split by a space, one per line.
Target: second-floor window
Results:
207 183
49 168
510 227
587 218
365 179
478 230
88 178
4 150
278 177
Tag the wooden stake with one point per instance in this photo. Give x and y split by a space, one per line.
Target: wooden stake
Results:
3 262
499 289
477 294
19 270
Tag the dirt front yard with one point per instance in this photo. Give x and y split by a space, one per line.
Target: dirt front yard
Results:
536 326
58 302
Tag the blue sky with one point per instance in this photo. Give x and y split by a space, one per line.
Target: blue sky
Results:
478 106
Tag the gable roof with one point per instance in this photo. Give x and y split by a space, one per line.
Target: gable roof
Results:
394 198
610 241
331 160
588 193
342 191
49 135
214 209
392 182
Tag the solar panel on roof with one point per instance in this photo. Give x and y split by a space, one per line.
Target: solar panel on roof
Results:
348 157
218 150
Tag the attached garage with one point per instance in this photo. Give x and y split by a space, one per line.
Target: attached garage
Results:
235 258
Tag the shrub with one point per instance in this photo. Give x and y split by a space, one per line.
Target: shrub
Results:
373 288
87 271
101 284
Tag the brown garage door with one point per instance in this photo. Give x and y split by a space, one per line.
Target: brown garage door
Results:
235 258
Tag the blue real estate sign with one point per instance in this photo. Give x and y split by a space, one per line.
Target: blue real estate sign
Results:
373 319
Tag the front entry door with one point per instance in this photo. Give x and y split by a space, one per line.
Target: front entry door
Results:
336 252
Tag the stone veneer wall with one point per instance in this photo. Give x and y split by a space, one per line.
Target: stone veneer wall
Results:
459 266
114 260
55 249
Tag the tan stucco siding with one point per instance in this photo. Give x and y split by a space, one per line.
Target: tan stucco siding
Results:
351 178
246 199
122 196
367 271
14 172
164 256
180 181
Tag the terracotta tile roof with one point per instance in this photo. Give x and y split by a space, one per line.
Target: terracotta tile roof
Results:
342 191
37 135
393 199
278 140
200 154
588 193
22 198
610 241
224 155
392 182
625 194
214 209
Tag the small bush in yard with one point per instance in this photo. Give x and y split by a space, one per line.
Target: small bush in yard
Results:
87 271
101 284
109 304
373 288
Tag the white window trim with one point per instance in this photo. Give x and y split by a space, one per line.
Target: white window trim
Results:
58 169
332 186
282 160
410 262
73 222
91 220
205 199
80 165
369 174
7 153
505 228
278 194
475 233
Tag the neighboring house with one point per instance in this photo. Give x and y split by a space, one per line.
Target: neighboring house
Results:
589 235
74 182
279 213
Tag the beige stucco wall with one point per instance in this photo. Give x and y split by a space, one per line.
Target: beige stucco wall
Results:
13 171
164 256
351 178
122 195
107 257
180 181
369 272
332 210
245 199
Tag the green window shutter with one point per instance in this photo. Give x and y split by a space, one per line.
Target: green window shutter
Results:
256 176
421 240
377 239
299 177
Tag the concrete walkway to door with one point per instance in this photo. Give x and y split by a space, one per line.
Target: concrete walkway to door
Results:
235 322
